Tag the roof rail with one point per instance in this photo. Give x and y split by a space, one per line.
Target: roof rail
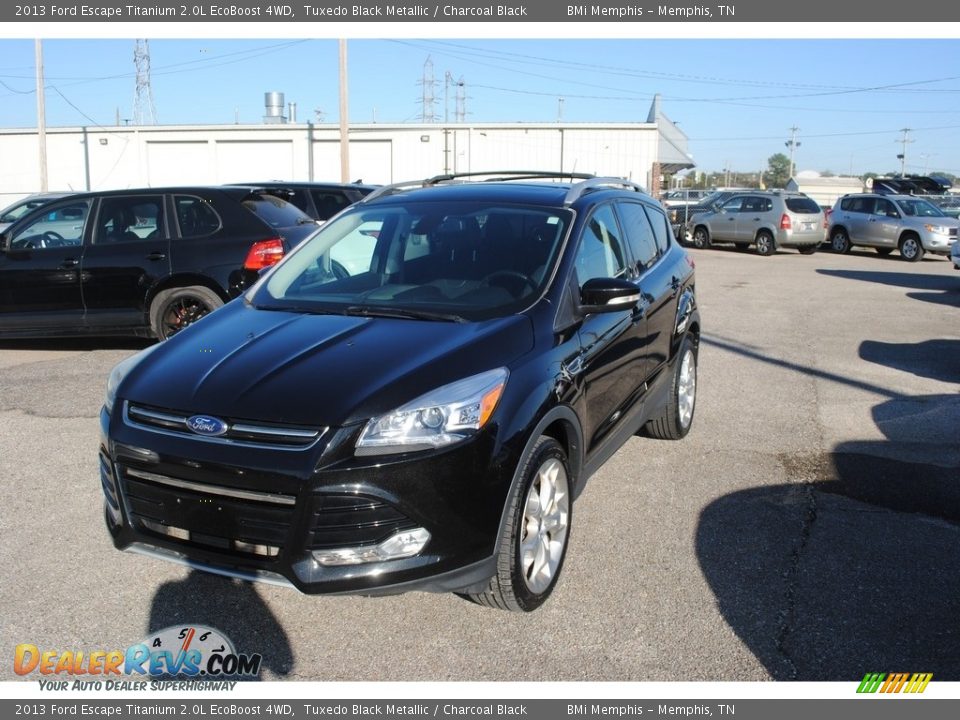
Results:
489 176
504 175
595 183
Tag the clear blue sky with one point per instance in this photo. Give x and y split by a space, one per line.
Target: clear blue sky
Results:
735 99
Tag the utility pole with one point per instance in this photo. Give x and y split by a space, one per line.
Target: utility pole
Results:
559 110
793 145
41 115
902 157
344 136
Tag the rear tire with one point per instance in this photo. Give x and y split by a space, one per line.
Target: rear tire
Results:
911 249
177 308
534 540
677 416
766 245
807 249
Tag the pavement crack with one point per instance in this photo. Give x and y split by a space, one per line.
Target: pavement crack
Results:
792 579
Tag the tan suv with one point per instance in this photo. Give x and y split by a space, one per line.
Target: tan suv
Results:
767 219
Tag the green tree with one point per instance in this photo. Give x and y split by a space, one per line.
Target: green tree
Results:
778 171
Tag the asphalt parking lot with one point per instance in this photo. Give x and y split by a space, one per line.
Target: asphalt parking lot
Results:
808 528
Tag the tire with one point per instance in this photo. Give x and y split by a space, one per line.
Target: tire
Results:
701 238
883 252
911 249
766 245
174 309
840 241
535 537
807 249
676 418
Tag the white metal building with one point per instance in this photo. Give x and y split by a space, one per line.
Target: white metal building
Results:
101 158
824 190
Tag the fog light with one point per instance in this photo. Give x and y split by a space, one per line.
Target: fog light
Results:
403 544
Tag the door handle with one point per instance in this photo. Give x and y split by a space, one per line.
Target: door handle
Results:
69 263
157 256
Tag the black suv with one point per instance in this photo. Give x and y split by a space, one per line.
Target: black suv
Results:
423 423
143 262
321 201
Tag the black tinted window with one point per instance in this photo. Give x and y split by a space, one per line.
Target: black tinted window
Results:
802 205
639 234
601 251
329 203
276 212
661 228
129 219
195 216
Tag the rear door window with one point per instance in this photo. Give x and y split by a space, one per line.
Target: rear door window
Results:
329 203
661 228
639 234
129 219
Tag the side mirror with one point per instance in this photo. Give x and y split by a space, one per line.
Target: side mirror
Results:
601 295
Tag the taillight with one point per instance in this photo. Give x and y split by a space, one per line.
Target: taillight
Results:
785 223
826 218
263 254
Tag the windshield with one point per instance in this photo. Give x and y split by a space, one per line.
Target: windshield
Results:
447 261
920 208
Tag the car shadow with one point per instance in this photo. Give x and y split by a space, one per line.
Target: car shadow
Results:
935 359
851 566
234 607
943 289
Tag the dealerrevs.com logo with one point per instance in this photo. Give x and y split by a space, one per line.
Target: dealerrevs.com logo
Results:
894 683
184 653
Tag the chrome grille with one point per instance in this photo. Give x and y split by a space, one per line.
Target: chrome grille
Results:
239 432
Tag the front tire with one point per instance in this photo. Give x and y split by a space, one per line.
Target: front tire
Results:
177 308
911 249
840 241
676 418
807 249
534 540
701 238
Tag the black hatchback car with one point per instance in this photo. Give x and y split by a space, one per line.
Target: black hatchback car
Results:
319 200
424 420
143 262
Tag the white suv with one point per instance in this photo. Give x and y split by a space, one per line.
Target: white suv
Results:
892 222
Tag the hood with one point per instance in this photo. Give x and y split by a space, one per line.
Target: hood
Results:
316 370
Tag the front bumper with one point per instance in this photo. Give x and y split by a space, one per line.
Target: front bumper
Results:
261 513
937 244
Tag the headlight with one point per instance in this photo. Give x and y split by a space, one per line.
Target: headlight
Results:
938 229
119 372
442 417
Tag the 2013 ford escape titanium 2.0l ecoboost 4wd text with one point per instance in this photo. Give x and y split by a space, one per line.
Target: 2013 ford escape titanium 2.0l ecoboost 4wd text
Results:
425 419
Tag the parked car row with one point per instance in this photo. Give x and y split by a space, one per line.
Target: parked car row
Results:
769 220
146 261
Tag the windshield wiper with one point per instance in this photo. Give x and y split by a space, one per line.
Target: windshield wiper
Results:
394 312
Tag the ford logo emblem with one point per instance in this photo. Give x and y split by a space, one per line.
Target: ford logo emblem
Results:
206 425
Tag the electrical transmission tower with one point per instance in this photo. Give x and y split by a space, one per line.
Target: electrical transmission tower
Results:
427 113
144 111
460 108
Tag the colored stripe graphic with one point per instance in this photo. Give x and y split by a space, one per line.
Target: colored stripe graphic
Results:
894 682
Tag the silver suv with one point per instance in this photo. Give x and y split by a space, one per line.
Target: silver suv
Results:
767 219
887 222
